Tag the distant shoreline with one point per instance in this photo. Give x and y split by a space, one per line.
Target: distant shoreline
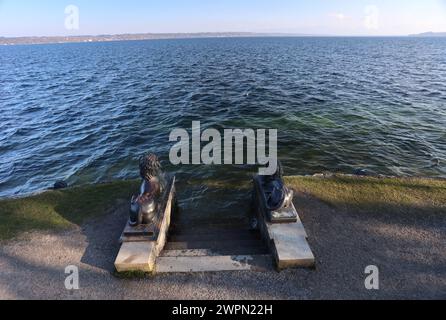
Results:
8 41
135 37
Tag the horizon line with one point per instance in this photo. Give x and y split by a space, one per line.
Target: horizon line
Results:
36 40
215 33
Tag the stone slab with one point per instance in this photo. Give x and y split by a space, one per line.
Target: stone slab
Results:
186 264
135 256
291 249
141 230
188 253
291 229
165 222
289 245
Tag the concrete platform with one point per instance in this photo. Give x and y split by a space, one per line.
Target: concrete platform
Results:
229 248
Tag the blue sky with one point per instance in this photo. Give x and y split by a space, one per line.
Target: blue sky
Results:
334 17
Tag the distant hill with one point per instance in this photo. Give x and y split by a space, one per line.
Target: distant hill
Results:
429 34
128 37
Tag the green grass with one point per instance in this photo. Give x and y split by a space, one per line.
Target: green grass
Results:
59 210
374 195
64 209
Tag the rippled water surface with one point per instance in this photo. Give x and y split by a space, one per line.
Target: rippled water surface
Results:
85 112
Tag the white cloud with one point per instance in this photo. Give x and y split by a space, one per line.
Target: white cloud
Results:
338 16
371 20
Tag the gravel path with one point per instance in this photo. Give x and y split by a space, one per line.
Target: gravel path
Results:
410 251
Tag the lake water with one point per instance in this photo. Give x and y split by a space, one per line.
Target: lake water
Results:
85 112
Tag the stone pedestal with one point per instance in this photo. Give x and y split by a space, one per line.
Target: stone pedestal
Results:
287 240
142 245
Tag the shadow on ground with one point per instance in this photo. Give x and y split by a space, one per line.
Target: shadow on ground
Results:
406 244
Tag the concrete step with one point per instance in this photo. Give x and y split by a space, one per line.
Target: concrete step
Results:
213 263
209 230
211 248
189 253
216 251
217 236
214 245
